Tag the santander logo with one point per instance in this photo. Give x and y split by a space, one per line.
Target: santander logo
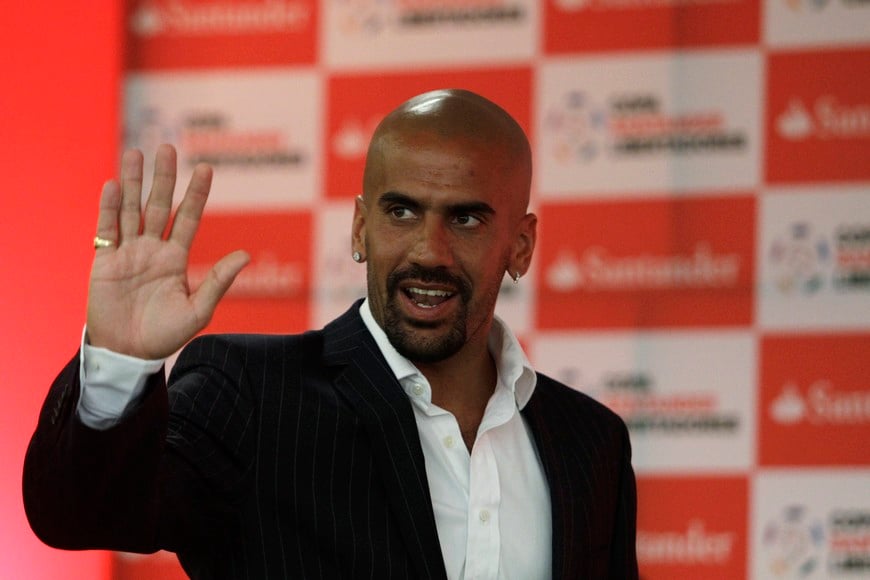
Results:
598 270
821 404
694 545
152 18
826 119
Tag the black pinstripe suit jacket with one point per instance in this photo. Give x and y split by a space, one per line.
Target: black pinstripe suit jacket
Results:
298 457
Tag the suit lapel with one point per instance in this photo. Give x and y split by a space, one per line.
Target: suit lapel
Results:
383 408
568 491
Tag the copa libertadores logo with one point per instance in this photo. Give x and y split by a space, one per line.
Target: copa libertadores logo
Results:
806 262
634 125
373 17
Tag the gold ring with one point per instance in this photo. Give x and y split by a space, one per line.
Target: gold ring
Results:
102 243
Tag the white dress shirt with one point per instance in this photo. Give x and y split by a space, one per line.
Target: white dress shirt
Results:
492 506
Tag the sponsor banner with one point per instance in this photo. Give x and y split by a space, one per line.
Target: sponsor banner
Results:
357 103
259 130
670 263
811 525
271 294
818 126
688 398
814 258
601 25
692 536
177 34
814 400
816 23
399 33
649 124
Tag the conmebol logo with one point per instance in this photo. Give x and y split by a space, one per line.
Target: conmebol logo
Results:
186 18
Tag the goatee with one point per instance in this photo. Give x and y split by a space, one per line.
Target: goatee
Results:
410 344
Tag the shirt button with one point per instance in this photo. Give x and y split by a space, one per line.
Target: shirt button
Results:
418 389
449 442
484 516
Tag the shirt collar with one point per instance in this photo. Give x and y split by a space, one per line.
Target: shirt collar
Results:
514 369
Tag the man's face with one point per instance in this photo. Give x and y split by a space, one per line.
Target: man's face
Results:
440 222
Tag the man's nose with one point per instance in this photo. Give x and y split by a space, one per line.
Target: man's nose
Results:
432 247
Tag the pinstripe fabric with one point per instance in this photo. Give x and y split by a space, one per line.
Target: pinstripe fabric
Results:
298 457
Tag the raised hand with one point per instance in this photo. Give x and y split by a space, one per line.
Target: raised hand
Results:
139 300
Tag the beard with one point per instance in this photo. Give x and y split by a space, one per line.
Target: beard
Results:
417 347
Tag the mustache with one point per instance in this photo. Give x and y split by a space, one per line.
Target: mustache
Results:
438 275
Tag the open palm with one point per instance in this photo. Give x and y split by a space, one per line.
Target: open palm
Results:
139 300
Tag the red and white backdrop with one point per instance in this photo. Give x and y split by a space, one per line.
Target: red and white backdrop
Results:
703 187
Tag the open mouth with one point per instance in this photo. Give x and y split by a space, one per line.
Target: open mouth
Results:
427 298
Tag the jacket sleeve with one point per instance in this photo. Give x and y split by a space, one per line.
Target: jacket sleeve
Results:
83 488
166 477
623 562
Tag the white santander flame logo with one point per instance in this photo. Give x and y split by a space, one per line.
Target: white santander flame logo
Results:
564 274
351 140
795 123
788 407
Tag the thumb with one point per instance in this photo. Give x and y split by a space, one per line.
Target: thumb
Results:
217 282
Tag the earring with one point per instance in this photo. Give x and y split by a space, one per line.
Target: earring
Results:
357 257
517 278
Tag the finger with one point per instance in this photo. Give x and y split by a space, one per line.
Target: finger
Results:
190 210
159 205
216 283
107 219
131 193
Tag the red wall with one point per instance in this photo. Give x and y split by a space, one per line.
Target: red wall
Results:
59 123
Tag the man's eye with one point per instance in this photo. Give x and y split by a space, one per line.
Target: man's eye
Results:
465 220
401 213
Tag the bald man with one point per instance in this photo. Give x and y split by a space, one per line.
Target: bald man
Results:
409 438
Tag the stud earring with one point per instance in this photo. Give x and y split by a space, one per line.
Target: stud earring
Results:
517 278
357 257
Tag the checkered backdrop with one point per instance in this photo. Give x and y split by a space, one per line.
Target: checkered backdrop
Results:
703 188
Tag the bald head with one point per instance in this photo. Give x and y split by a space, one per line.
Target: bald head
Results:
455 115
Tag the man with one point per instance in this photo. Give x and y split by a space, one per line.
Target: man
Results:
409 438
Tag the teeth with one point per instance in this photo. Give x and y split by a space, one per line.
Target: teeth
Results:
421 291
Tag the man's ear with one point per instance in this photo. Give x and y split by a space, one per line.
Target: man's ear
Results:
358 229
524 244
